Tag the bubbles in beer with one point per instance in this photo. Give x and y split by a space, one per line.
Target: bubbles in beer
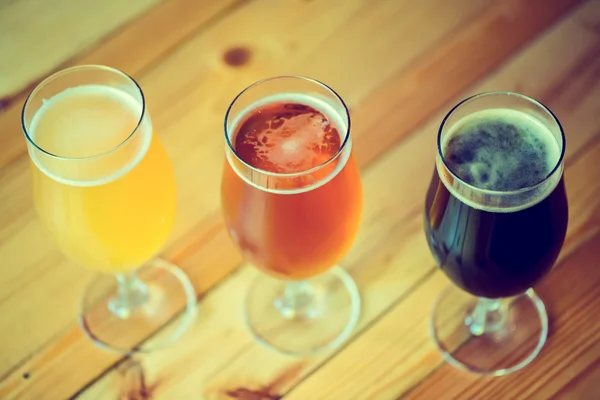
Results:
286 137
501 150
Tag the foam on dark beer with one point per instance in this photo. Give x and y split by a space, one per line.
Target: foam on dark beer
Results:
498 151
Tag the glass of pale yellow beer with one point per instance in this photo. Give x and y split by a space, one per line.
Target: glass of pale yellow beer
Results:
104 187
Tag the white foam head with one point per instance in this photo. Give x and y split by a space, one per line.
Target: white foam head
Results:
91 168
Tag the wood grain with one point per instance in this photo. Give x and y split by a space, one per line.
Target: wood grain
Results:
571 351
27 271
373 268
179 113
399 65
154 33
55 31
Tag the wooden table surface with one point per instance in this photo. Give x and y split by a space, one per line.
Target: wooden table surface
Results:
400 65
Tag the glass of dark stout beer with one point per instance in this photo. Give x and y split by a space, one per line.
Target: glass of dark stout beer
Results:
495 219
292 200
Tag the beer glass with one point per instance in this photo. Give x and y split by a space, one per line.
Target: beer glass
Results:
495 219
292 201
104 187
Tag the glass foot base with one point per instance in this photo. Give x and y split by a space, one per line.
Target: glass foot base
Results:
511 338
322 315
162 291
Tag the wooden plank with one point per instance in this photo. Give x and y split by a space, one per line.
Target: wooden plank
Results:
572 348
584 385
70 347
177 90
55 31
385 271
466 56
156 32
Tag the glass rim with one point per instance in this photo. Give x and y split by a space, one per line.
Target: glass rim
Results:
289 174
69 70
502 192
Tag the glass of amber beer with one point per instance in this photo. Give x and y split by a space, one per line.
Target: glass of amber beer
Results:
496 217
104 187
292 201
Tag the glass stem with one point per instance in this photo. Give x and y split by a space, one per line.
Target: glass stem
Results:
132 294
489 315
297 301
